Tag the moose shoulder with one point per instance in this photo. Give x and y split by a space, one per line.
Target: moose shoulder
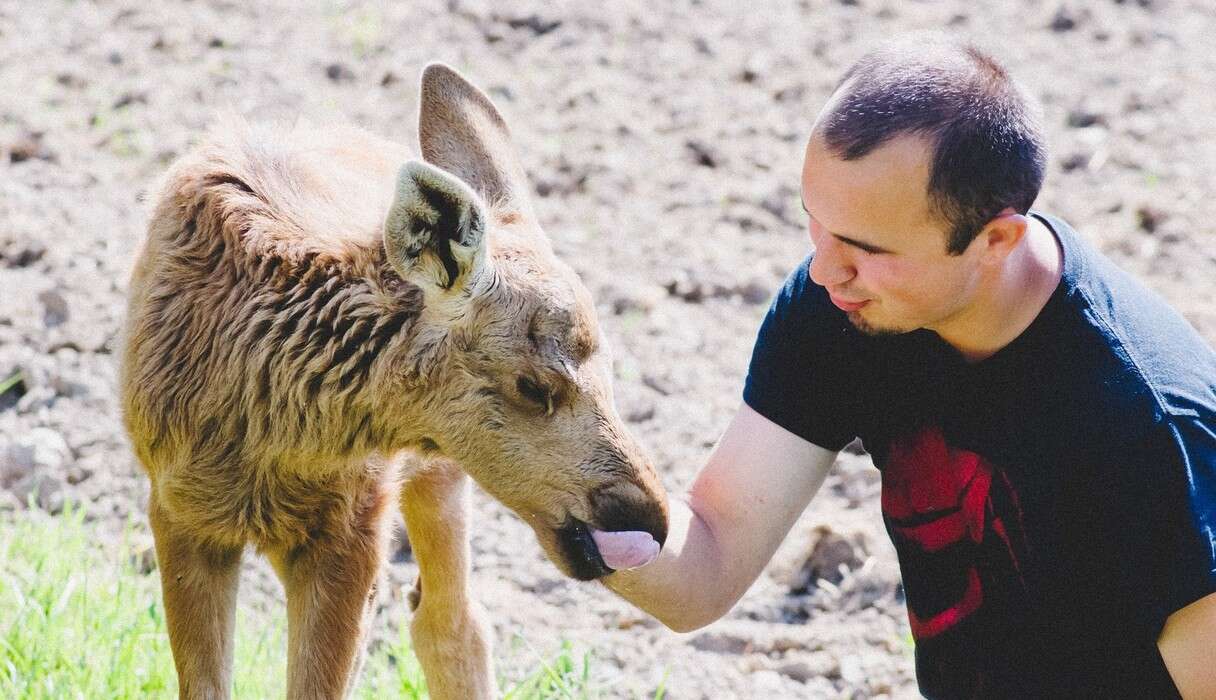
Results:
320 325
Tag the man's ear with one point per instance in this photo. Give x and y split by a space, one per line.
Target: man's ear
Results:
1002 234
435 231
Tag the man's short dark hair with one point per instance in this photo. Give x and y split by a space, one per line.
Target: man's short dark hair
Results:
984 131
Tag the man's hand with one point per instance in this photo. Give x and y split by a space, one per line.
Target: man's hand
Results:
1187 644
742 504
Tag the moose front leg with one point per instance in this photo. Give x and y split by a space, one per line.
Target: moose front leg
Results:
199 585
330 583
449 634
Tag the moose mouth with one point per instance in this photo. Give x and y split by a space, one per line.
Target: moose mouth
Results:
579 551
592 553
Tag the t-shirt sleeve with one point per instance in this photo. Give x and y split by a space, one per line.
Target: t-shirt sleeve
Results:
1159 505
1186 517
801 366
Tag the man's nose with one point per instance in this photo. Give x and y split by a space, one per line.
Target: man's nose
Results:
830 267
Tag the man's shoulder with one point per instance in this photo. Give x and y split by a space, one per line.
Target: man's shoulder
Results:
804 363
1121 329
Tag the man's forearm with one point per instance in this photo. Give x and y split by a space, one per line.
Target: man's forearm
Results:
677 587
739 508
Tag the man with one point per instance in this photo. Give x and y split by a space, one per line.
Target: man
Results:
1046 427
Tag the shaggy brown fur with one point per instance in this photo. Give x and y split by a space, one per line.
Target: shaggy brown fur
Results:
306 314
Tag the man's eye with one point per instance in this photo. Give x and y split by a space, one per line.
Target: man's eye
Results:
535 393
864 249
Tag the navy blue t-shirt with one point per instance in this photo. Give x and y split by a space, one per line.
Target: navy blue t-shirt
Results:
1051 505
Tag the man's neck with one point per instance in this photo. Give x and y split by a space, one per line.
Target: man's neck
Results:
1007 306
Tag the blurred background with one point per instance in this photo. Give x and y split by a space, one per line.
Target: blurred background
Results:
664 142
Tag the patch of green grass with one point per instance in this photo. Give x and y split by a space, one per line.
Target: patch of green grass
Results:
392 671
80 619
568 675
364 30
11 382
563 677
75 620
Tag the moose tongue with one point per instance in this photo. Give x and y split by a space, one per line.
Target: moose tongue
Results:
625 550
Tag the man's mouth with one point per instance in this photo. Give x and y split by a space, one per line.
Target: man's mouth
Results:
845 305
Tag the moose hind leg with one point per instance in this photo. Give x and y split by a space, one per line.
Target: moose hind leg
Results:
369 613
449 634
199 584
330 584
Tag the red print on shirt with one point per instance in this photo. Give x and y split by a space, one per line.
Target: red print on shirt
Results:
957 525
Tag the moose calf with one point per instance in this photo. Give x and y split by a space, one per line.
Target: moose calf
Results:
319 325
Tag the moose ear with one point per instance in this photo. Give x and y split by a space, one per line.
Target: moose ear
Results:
460 131
435 231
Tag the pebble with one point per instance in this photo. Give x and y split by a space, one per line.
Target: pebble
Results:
39 450
339 73
804 667
722 643
48 491
704 154
831 552
35 465
55 308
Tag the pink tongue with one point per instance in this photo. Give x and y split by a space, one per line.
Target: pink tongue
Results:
625 550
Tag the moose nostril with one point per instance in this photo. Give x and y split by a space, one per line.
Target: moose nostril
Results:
625 506
660 534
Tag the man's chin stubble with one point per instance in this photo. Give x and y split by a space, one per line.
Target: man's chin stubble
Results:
867 328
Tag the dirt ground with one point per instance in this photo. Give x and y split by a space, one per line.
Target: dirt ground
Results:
664 144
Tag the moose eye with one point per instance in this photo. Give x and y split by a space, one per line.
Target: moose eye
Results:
535 393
